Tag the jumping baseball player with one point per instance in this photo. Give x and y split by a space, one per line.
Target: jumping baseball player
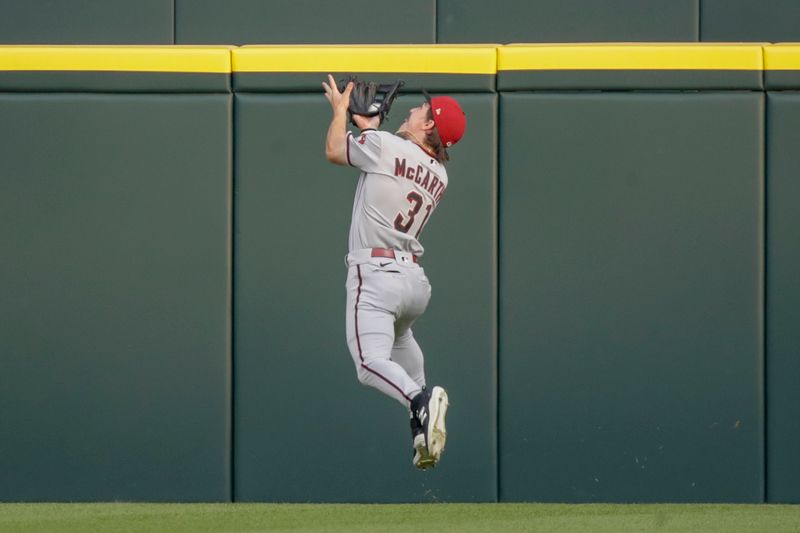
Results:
402 181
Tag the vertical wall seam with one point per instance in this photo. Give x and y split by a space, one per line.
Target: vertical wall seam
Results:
697 21
764 296
232 312
435 21
497 255
763 281
174 22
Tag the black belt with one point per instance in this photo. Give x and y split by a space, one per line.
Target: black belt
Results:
388 252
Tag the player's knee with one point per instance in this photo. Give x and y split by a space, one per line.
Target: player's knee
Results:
363 374
366 374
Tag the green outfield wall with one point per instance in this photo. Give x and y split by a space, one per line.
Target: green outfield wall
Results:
115 213
614 288
87 22
381 21
783 295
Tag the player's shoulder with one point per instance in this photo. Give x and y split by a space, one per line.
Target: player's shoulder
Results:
372 132
385 137
373 136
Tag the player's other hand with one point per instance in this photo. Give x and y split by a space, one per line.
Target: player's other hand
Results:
340 101
364 123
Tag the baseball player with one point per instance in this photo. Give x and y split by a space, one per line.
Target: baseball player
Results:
402 181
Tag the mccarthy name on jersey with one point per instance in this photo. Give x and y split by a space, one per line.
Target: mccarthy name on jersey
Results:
430 182
400 186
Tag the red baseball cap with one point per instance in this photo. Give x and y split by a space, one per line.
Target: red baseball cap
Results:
449 118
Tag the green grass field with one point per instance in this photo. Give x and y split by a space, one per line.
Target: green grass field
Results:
419 518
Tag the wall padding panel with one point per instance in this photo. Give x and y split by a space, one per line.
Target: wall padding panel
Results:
630 295
291 22
114 316
295 381
543 21
783 298
749 20
86 22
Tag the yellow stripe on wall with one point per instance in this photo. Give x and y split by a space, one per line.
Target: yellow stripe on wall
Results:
116 58
630 57
424 59
782 56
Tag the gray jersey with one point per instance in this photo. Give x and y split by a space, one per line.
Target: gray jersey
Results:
399 188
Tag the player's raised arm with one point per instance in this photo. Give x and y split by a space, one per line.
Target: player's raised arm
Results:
336 140
367 123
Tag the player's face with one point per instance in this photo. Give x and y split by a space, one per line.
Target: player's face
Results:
417 120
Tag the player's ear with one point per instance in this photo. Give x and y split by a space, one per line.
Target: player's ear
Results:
428 125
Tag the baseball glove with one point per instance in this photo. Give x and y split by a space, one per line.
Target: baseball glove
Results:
369 99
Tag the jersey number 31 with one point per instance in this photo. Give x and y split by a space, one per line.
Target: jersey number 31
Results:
416 201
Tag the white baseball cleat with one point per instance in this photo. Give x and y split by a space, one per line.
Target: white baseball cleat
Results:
428 410
422 458
436 432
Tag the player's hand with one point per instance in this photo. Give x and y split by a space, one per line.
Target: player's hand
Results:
340 101
364 123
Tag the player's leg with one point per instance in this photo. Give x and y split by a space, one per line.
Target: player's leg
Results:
370 337
428 410
407 353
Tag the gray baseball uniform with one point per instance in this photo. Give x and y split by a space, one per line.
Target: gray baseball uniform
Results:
399 188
